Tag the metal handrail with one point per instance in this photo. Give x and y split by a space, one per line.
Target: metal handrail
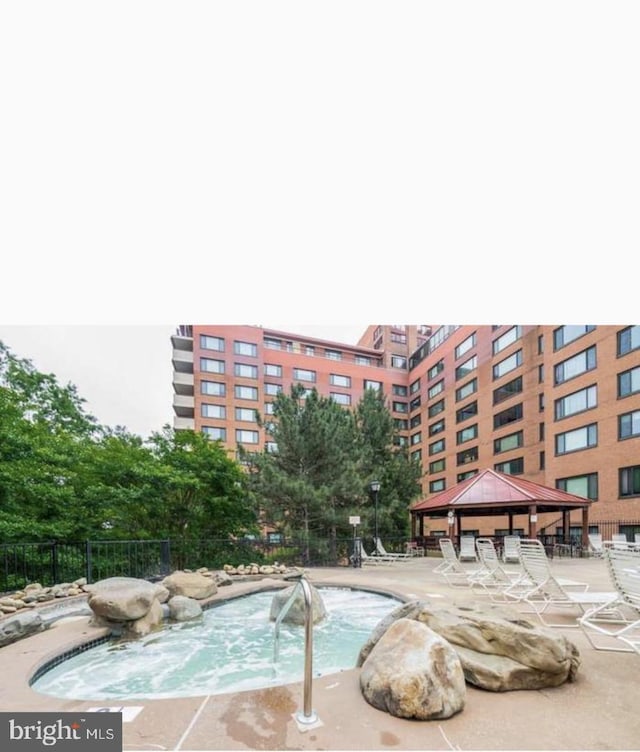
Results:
308 715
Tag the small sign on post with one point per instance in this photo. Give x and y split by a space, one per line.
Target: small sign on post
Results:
354 520
356 556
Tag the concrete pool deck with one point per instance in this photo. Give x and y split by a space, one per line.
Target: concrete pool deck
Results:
599 711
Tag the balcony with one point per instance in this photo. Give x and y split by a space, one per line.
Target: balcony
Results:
182 361
180 342
183 383
180 423
183 405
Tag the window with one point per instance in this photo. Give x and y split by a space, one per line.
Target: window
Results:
246 392
337 380
464 369
465 346
211 366
541 402
436 427
213 411
507 390
505 443
435 370
467 474
628 339
211 343
576 402
415 403
579 438
541 373
246 437
436 408
272 389
416 438
508 364
629 425
466 412
268 408
400 424
416 456
540 344
271 446
466 390
506 339
437 466
581 363
510 415
629 479
565 334
400 441
436 446
466 434
398 361
245 348
302 374
437 485
416 420
246 413
400 407
341 399
511 467
214 433
214 388
272 344
333 354
309 350
435 389
540 431
398 337
362 360
270 369
399 390
629 382
368 384
580 485
468 455
245 371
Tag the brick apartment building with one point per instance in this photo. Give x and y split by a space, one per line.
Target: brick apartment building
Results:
558 405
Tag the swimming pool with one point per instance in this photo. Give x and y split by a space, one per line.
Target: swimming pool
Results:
231 649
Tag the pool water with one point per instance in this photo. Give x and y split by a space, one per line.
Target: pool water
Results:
231 649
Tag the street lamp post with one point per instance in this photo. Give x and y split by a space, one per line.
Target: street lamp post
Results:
375 488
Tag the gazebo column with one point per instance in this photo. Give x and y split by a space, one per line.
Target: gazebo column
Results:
510 523
566 527
585 528
533 521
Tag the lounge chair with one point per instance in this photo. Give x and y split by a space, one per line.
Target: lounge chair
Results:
624 611
380 551
545 591
595 544
619 540
467 548
510 551
492 578
366 558
453 571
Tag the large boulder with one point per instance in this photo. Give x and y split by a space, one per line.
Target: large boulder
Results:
412 672
182 608
296 612
190 584
152 620
498 647
20 625
123 598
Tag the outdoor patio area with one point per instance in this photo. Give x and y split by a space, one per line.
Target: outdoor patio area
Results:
599 711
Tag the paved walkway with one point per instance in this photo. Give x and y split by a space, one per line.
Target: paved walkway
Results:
599 711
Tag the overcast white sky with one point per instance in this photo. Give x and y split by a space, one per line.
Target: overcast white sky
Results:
472 162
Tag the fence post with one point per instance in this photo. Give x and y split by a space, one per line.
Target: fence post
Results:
89 563
165 556
54 562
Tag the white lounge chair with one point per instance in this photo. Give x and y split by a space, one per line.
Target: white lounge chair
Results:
545 591
380 551
492 578
619 540
467 548
595 544
510 551
366 558
451 569
624 612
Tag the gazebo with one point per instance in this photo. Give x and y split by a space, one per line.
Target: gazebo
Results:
490 493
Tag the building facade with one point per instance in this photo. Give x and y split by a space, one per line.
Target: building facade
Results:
558 405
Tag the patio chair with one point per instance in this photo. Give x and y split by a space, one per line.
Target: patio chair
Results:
595 544
624 569
619 540
380 551
545 591
453 571
492 578
468 548
510 551
366 558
